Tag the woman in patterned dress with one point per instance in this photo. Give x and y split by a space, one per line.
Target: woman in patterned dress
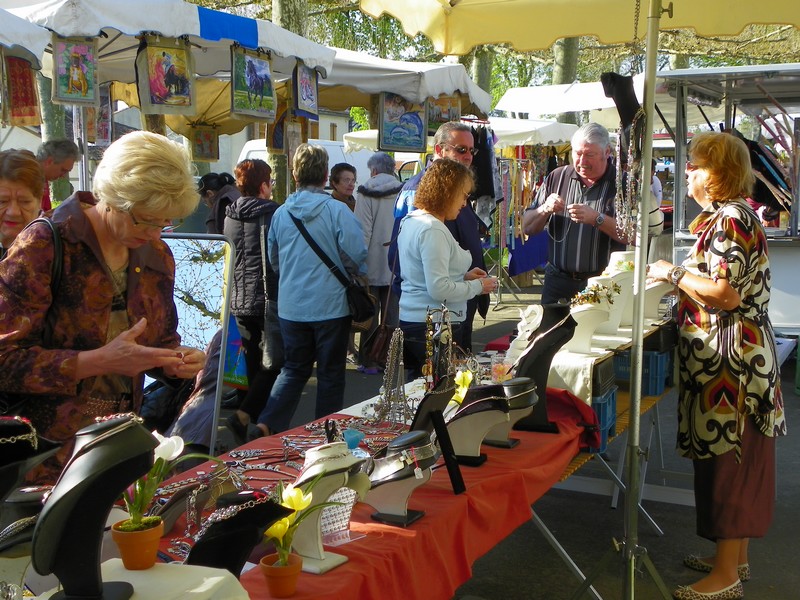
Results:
81 351
730 408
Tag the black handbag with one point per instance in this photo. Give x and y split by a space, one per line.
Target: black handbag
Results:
272 356
359 300
11 404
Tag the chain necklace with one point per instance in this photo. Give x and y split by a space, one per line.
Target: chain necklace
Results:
30 436
223 514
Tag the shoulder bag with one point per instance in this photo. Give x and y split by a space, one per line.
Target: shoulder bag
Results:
361 302
271 340
11 404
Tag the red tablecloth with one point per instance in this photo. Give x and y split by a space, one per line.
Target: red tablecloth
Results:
501 344
434 556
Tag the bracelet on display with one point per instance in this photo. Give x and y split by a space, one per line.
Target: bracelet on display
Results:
251 453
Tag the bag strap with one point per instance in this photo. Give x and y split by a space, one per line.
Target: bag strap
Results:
55 274
263 237
318 251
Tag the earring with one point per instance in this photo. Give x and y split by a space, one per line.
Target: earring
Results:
108 209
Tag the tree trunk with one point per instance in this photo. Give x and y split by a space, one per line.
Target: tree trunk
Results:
482 68
565 69
53 128
291 15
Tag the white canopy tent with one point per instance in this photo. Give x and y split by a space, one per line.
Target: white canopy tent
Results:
509 132
211 32
356 76
23 39
548 100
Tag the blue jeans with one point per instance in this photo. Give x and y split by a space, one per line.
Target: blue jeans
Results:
304 343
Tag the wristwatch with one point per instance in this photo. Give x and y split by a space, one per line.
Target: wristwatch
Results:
675 275
599 220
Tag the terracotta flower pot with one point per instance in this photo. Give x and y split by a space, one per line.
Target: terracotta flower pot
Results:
138 549
281 580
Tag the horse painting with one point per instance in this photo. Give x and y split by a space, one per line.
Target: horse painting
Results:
255 84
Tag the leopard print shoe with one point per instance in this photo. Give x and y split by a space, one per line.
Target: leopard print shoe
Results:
698 564
735 591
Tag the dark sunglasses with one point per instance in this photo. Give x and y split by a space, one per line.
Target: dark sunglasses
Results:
462 149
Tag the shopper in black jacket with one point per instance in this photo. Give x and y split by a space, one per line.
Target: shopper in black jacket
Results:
218 191
247 222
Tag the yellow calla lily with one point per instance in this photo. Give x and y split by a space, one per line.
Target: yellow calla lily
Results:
463 380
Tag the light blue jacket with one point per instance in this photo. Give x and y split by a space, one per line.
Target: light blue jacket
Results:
308 290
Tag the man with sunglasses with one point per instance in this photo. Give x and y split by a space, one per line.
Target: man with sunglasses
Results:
453 140
575 204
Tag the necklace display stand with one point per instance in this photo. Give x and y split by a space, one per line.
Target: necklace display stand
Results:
430 417
307 540
521 396
406 467
556 328
483 408
23 449
108 457
228 542
622 301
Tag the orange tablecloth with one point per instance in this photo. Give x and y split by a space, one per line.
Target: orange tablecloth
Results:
434 556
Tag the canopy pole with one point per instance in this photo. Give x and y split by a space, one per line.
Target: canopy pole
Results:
633 552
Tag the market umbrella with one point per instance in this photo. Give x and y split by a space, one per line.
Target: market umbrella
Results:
22 39
456 26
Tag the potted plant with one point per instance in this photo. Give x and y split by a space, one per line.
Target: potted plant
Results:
282 568
137 537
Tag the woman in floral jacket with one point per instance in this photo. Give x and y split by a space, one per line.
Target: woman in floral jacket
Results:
81 352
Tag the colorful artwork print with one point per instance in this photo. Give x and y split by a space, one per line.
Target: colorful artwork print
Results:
441 110
252 90
205 145
402 124
305 92
165 77
75 71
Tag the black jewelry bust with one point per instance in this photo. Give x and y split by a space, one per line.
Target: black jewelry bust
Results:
108 457
556 329
23 449
236 527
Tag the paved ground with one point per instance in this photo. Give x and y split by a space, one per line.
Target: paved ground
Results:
525 567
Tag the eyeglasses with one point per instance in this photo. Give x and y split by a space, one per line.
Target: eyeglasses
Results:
462 149
271 182
173 225
691 167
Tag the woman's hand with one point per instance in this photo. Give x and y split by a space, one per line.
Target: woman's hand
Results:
192 360
124 356
659 271
490 284
476 273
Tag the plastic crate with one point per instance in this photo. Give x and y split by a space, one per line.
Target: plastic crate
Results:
654 371
605 407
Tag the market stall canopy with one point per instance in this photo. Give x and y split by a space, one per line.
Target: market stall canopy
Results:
210 33
549 100
22 39
356 76
455 27
509 132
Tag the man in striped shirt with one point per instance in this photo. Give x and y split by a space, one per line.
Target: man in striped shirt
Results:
576 206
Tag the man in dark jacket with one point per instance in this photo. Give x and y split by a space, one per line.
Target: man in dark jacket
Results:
453 140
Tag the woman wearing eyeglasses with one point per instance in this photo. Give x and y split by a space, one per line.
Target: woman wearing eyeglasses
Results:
730 408
81 351
435 268
247 222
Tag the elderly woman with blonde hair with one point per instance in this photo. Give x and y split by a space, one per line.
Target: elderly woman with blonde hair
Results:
730 408
80 351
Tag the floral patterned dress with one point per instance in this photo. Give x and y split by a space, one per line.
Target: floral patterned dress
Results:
728 364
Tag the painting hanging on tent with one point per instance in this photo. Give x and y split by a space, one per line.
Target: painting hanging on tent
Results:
252 89
306 93
401 124
205 144
22 95
165 77
441 110
75 71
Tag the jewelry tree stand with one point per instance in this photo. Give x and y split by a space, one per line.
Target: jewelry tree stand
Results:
108 457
